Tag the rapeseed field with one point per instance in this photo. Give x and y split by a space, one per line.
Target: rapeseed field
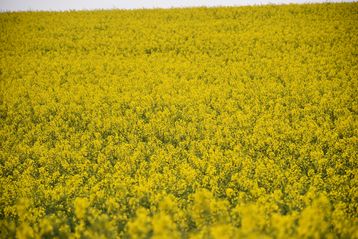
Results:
235 122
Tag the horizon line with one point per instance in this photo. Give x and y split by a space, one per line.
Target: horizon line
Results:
172 7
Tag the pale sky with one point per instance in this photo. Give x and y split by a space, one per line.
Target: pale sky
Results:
61 5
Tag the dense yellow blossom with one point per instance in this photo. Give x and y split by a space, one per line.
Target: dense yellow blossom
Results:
181 123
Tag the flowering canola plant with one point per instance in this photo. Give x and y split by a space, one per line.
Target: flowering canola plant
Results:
235 122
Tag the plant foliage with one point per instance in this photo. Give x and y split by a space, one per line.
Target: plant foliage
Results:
180 123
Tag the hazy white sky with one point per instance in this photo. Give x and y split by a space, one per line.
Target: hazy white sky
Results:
60 5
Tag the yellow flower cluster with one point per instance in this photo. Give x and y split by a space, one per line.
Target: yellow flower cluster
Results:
180 123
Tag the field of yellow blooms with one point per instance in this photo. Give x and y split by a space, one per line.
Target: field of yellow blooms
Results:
181 123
